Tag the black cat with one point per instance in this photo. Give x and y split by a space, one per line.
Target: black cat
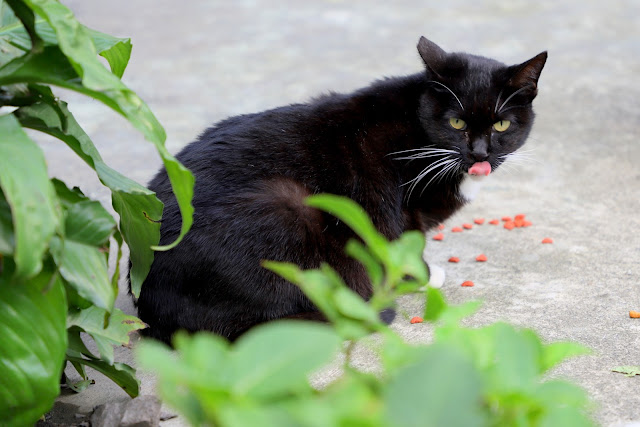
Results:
410 150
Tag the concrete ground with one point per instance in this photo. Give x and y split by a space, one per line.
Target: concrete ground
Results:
196 62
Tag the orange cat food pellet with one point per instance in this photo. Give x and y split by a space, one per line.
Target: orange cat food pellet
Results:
467 226
527 223
509 225
519 216
494 222
438 236
547 240
481 258
478 221
519 222
506 218
454 259
634 314
467 284
456 229
441 227
416 319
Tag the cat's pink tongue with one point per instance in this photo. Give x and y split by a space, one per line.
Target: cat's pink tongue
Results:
480 168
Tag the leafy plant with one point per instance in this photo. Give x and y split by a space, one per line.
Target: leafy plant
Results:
465 377
55 243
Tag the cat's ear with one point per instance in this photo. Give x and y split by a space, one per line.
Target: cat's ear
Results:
432 55
526 75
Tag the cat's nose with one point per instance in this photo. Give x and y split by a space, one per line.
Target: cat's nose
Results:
480 150
479 155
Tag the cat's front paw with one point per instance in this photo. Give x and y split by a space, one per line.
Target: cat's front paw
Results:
436 276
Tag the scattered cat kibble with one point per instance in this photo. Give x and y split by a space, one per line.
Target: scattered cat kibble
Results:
494 222
634 314
478 221
467 226
416 319
456 229
441 227
547 240
438 236
454 259
481 258
527 223
467 284
519 216
509 225
507 219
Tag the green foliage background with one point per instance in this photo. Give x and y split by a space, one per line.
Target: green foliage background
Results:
55 243
490 376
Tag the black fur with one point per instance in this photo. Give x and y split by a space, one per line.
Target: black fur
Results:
254 171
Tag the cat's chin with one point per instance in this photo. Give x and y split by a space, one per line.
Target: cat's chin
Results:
470 186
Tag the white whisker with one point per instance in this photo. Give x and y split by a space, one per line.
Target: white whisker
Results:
414 182
454 95
511 96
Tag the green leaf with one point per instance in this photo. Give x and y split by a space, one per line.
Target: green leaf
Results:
27 189
89 223
34 339
275 359
139 208
121 374
556 352
405 257
85 268
116 51
375 270
91 321
629 371
7 238
355 217
435 305
351 305
76 49
441 389
517 356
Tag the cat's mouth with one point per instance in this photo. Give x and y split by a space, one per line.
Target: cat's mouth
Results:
480 169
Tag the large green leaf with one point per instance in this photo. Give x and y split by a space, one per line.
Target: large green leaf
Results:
91 321
120 373
115 50
7 239
441 389
74 65
34 339
27 189
139 208
85 268
275 359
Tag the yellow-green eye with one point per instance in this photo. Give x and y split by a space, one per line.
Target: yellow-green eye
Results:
457 123
502 125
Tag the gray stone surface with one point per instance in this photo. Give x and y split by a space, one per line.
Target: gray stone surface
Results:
196 62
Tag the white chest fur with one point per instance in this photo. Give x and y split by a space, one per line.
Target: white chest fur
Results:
470 186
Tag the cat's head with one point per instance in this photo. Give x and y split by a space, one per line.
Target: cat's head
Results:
477 108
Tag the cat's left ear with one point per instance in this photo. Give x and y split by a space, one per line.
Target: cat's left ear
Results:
525 76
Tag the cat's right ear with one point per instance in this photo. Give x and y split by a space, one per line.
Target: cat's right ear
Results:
432 55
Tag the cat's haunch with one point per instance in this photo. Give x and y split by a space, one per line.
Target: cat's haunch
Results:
410 150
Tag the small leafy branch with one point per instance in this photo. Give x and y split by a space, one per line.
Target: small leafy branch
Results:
55 243
465 377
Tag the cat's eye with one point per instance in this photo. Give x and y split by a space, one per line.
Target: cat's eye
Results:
502 125
456 123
